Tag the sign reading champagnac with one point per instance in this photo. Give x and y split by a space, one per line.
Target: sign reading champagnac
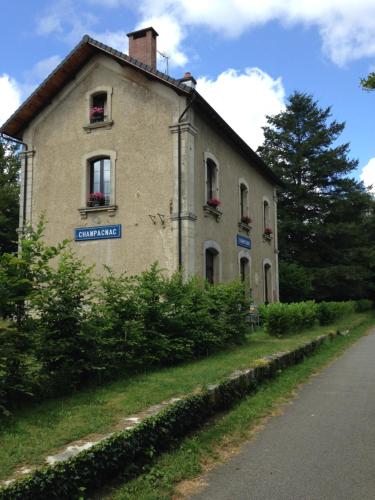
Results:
97 233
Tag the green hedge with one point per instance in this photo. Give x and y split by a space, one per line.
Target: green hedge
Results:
73 327
363 305
284 319
128 452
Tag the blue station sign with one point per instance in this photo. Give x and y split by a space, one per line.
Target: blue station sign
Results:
97 232
243 241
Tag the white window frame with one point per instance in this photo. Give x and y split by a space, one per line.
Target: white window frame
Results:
207 245
211 157
85 174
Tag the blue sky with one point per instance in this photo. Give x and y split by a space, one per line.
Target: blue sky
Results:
248 55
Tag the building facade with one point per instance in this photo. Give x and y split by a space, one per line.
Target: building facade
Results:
136 167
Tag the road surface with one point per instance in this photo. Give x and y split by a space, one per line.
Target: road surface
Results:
321 447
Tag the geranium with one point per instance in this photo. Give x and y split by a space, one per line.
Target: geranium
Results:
246 219
96 110
268 231
214 202
96 197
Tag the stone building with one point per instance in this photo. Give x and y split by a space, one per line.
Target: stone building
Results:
136 167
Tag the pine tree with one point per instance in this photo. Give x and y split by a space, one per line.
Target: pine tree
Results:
9 197
322 212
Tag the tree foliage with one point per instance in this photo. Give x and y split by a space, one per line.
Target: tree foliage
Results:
369 82
326 217
9 196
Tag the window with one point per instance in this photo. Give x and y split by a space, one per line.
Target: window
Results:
100 182
266 214
98 107
244 269
267 282
211 265
244 203
212 261
243 200
212 184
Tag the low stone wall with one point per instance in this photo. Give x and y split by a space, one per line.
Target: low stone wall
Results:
127 452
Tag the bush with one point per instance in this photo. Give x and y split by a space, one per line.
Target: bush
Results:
63 348
331 311
363 305
282 319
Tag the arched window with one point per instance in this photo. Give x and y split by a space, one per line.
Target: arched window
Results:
212 192
99 182
98 107
267 283
266 214
244 269
211 259
244 202
212 263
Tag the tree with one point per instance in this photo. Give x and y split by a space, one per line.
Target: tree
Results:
9 197
369 82
323 213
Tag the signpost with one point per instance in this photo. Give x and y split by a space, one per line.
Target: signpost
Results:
243 241
97 233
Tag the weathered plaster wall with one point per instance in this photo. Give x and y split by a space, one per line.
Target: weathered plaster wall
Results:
232 168
140 138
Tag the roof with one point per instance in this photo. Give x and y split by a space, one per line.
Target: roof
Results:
80 55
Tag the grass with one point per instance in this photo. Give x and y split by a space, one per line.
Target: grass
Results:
34 432
226 433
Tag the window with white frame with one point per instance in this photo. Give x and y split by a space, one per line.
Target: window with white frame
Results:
267 230
212 263
99 182
244 203
212 184
267 282
98 107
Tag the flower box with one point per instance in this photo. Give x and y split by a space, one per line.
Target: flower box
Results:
213 202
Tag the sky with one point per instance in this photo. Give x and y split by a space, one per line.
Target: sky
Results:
248 56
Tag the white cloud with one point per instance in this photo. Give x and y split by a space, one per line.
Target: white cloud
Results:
170 37
43 68
244 99
368 174
115 39
347 28
64 19
10 97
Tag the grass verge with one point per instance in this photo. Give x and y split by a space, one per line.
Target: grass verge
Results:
35 432
219 438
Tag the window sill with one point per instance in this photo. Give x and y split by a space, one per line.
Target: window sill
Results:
212 212
111 209
93 126
267 237
244 227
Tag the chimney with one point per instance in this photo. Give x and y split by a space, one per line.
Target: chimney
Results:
142 46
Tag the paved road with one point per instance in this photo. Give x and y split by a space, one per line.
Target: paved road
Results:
322 447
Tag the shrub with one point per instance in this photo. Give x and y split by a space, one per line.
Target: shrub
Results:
63 348
329 312
363 305
283 319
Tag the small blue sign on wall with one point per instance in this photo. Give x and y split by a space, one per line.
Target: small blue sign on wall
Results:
97 232
243 241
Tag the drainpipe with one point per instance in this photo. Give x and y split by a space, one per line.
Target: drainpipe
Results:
179 179
25 147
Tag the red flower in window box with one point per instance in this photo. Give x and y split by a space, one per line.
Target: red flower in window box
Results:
96 199
245 219
268 231
96 111
214 202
